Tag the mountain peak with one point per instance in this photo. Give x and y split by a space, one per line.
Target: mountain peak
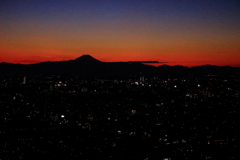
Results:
87 59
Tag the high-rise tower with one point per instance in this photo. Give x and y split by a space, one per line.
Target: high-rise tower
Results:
24 80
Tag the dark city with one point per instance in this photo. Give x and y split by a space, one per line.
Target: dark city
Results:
119 79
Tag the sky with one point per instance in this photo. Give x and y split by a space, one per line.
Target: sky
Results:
176 32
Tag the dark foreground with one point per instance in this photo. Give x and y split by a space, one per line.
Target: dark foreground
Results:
153 118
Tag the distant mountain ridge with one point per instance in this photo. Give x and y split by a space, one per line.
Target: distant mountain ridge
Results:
86 65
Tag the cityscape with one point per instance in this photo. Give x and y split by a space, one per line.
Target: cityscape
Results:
119 79
166 118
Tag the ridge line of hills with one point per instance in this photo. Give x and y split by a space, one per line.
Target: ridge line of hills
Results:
86 65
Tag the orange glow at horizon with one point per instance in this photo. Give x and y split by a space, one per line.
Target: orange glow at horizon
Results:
178 51
188 60
35 32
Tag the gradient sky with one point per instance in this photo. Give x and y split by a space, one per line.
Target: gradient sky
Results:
180 32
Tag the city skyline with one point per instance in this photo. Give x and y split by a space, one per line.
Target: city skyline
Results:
177 32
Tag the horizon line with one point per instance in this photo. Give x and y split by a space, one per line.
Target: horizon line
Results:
142 62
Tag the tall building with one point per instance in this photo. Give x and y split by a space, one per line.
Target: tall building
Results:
24 80
141 77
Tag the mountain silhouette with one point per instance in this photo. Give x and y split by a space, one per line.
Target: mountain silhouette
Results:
87 59
86 65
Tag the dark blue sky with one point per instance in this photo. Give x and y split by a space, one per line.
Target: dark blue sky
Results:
183 32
